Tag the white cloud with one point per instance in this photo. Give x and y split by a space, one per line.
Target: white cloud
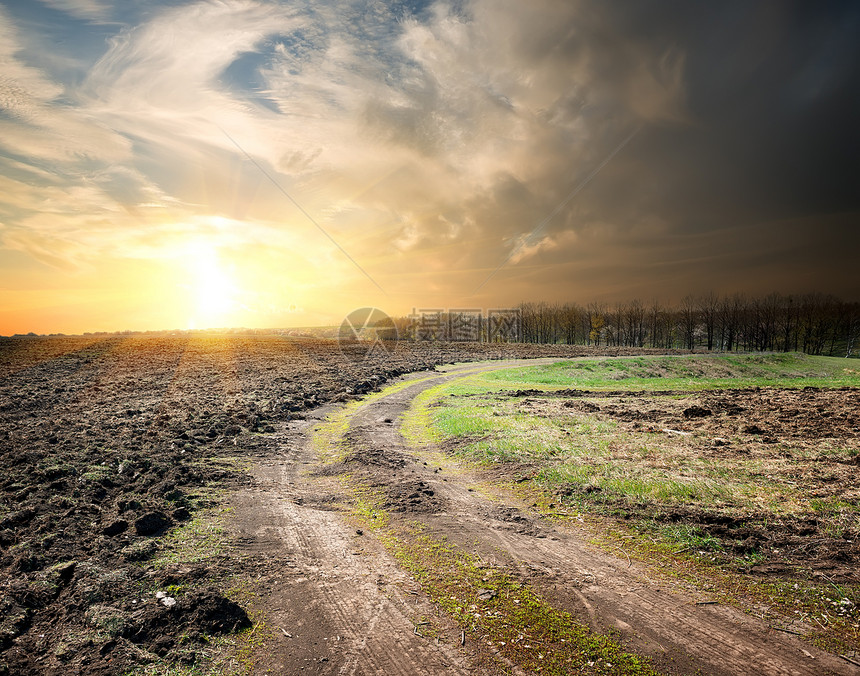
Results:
23 90
93 10
525 247
40 126
160 79
446 139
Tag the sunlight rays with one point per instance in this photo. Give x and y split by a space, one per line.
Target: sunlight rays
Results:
213 293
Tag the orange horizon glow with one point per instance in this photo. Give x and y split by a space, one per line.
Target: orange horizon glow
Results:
197 164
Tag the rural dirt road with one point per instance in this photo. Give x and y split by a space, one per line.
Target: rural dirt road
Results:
336 602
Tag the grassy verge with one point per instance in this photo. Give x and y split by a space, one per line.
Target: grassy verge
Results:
689 372
515 627
661 494
513 623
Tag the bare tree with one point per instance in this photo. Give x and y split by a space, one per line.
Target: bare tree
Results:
688 321
814 322
611 326
764 311
851 322
729 319
597 322
572 323
654 323
787 323
708 307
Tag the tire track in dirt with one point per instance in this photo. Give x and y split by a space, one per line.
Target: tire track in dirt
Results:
654 617
338 603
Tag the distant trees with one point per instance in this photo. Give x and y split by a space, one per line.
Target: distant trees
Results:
708 307
812 323
849 319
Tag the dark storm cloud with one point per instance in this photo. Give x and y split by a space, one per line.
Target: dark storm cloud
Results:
772 90
752 172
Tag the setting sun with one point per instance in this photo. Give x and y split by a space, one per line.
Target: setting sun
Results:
214 295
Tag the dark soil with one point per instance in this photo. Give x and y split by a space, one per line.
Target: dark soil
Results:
106 443
808 438
780 415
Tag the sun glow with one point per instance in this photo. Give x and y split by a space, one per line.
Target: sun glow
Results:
214 295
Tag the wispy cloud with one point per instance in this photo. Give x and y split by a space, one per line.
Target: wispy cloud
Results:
429 138
93 10
40 123
24 90
162 77
446 130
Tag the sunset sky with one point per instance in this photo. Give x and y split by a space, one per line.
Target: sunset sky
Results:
172 164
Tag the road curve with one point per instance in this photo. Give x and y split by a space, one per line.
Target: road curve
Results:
340 604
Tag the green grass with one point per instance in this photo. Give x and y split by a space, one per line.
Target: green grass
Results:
688 536
687 372
582 462
203 537
509 616
490 605
578 450
582 451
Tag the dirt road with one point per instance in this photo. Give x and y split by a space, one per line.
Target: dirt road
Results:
338 603
110 449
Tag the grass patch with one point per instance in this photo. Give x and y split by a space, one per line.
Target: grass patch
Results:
247 646
621 481
588 458
203 537
687 372
367 506
204 659
591 458
509 617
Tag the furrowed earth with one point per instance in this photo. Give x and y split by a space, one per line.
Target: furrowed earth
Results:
198 503
787 433
111 445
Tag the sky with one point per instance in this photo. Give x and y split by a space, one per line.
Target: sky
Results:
187 164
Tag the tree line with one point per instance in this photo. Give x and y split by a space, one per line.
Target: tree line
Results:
813 323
